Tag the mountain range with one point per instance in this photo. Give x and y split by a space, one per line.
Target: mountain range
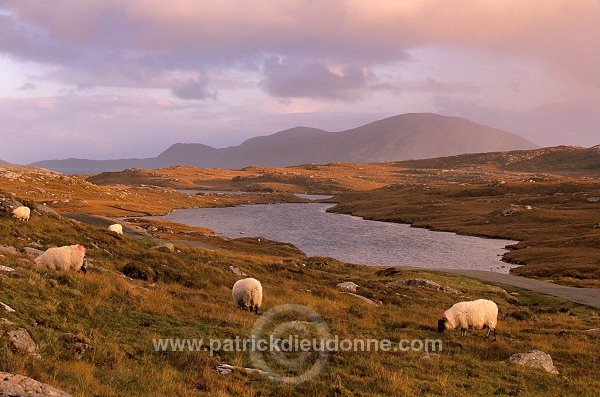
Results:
403 137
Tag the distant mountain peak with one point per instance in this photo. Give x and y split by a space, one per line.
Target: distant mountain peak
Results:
402 137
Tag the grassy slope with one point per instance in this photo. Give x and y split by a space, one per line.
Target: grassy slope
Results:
191 298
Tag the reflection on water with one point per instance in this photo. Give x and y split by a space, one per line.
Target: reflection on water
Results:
349 238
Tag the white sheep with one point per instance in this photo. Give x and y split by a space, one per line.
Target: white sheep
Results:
116 228
247 294
22 213
68 257
476 314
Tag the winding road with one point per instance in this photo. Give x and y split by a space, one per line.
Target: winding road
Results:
584 296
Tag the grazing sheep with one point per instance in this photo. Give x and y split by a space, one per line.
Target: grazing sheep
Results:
21 213
471 315
116 228
247 294
68 257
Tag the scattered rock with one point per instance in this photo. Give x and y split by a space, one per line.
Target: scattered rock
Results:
47 209
256 371
429 356
22 342
33 251
535 359
593 199
139 229
7 308
226 369
497 290
237 271
515 293
496 183
422 282
7 204
594 330
509 212
9 250
6 322
80 344
347 286
364 299
165 246
23 386
6 269
528 207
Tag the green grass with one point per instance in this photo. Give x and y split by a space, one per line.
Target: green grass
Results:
190 298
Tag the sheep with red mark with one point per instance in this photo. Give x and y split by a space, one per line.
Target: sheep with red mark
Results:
65 258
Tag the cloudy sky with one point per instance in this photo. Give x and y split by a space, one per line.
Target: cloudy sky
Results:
120 79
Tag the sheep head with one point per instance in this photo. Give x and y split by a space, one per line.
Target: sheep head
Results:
441 325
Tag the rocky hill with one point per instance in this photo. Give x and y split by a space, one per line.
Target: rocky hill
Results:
563 160
403 137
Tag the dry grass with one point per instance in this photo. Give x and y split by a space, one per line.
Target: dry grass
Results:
190 296
191 299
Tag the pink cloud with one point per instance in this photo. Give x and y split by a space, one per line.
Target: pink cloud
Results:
347 56
314 80
183 33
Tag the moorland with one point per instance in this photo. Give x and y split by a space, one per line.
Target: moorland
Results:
545 198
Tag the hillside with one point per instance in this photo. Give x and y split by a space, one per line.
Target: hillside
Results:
560 160
564 161
95 333
403 137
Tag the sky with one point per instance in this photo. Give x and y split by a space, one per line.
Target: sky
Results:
124 79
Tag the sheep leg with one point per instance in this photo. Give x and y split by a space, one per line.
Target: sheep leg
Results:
463 332
491 331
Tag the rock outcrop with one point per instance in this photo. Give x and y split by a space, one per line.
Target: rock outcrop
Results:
22 342
535 359
347 286
22 386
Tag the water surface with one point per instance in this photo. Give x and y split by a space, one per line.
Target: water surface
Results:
349 238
